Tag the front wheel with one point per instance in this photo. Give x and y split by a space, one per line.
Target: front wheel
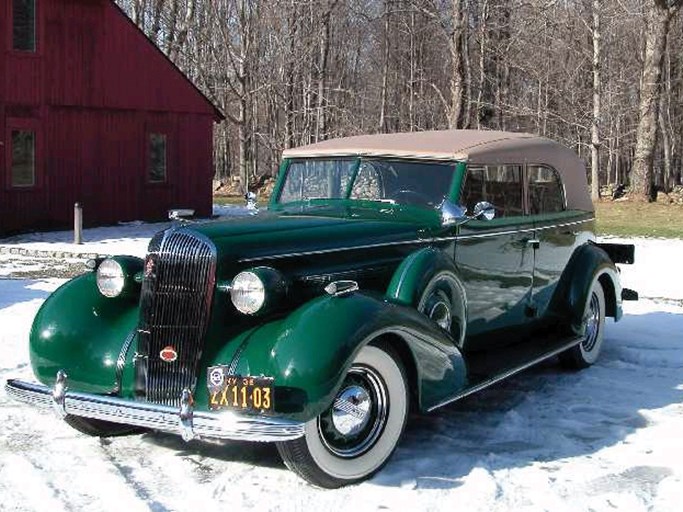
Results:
356 436
586 353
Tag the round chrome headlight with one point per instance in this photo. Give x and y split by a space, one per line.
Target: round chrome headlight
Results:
111 279
248 292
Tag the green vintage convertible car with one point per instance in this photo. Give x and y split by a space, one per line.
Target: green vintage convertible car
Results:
390 272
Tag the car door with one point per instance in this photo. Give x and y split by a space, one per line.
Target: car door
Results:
556 232
494 257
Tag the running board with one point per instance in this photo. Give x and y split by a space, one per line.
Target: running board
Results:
566 345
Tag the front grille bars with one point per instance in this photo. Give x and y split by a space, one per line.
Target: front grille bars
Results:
175 307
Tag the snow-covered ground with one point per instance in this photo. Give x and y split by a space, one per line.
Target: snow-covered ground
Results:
606 438
126 238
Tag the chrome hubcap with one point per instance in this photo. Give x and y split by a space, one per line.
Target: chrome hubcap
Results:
592 324
350 412
441 314
358 414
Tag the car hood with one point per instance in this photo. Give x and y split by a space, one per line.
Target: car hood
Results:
280 235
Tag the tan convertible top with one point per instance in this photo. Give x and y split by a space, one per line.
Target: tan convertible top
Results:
473 146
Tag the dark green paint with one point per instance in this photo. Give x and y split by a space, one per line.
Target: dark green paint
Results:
308 359
306 340
81 332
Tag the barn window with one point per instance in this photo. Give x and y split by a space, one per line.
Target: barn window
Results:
24 25
157 158
23 158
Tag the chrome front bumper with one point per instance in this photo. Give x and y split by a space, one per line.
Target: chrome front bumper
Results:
185 421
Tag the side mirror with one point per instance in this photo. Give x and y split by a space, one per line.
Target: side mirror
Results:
452 214
483 210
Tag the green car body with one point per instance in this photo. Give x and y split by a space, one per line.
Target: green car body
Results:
458 300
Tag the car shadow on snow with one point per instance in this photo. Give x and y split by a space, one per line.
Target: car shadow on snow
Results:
548 414
256 454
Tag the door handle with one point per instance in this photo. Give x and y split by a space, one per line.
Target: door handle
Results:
534 243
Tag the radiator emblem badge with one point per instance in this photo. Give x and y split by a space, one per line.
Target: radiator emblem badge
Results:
168 354
149 267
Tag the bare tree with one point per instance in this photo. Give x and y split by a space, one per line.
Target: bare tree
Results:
658 19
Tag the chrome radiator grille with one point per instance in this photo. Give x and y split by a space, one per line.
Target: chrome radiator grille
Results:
175 305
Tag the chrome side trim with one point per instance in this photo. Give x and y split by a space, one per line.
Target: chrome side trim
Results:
509 373
223 425
121 361
333 250
417 241
512 231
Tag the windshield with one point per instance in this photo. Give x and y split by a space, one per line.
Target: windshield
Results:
394 181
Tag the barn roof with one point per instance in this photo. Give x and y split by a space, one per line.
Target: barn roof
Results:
474 146
218 115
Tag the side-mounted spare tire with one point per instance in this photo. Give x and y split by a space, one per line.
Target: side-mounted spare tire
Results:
357 434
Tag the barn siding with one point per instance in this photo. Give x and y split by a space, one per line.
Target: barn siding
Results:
96 88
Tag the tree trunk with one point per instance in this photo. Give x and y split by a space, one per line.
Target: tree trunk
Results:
457 61
289 76
182 29
321 117
658 19
155 30
595 126
467 69
385 72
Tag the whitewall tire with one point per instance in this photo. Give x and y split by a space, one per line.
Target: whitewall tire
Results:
355 437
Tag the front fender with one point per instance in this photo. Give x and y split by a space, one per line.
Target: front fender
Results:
80 331
310 351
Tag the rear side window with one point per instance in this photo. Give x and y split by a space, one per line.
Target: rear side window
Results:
546 194
500 185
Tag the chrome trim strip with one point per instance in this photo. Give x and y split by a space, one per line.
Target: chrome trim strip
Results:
223 425
336 249
509 373
121 361
409 242
511 231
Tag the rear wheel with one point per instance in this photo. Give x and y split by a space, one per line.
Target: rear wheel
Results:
356 436
586 353
99 428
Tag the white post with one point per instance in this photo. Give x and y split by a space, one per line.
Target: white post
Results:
78 223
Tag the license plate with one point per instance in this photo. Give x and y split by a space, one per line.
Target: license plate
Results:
238 392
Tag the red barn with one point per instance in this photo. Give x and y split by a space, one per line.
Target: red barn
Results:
92 112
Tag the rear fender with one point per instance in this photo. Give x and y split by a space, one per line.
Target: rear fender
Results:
310 351
588 263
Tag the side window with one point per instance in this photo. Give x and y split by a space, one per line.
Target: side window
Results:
368 184
24 25
23 158
156 165
546 193
500 185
